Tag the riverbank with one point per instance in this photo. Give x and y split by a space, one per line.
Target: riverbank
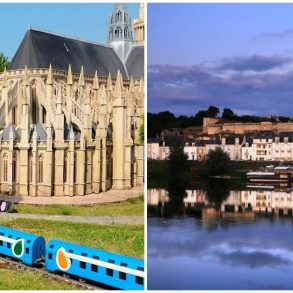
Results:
238 169
159 175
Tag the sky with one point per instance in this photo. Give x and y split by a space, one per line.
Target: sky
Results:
238 56
87 21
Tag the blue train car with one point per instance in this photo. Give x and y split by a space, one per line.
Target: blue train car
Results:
22 246
111 269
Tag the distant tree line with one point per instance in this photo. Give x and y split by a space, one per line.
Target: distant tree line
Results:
167 120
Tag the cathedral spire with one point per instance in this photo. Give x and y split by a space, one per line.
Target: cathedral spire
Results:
81 77
131 85
109 82
69 76
50 76
96 81
120 30
118 90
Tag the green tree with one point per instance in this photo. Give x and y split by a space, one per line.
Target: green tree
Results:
228 114
177 161
213 111
217 162
4 62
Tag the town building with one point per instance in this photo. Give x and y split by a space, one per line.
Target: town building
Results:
270 144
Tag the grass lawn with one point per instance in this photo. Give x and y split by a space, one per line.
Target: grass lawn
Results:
123 239
130 207
26 280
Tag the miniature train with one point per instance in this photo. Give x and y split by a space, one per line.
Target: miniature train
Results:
100 266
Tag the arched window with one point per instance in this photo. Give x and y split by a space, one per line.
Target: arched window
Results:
5 168
65 167
75 169
30 168
14 168
41 168
119 15
14 115
125 32
118 33
34 103
44 115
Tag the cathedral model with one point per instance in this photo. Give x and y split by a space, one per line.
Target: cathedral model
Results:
71 110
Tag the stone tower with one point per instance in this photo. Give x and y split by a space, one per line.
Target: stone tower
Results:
120 33
138 25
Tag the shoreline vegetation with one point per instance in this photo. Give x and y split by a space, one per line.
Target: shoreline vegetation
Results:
238 169
158 171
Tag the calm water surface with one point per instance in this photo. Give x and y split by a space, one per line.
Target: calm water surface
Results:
190 246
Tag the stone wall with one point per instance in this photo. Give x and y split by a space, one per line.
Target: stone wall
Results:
211 126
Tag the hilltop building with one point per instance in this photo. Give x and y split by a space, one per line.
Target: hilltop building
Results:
264 141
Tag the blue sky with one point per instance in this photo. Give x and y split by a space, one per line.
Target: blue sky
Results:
228 55
87 21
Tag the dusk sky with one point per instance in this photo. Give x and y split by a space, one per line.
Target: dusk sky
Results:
85 21
238 56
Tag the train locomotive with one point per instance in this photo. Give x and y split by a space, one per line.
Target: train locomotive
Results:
100 266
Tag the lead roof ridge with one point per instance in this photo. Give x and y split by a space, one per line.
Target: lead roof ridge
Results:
68 37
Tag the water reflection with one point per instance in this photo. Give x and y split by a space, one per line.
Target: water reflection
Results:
218 199
215 237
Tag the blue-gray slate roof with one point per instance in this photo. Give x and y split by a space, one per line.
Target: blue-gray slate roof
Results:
6 133
135 62
39 49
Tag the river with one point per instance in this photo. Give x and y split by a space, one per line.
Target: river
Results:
219 237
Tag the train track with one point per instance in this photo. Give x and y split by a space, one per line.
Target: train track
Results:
8 263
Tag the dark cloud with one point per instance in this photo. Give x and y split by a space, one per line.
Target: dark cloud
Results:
253 260
186 89
280 35
255 63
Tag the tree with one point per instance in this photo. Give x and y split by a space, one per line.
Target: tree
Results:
199 117
213 111
228 114
217 162
177 161
4 62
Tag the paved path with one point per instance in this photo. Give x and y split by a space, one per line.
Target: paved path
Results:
109 196
124 220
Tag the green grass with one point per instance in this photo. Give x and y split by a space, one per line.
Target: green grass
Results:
26 280
123 239
130 207
193 128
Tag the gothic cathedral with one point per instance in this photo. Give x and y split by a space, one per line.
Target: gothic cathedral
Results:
71 112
